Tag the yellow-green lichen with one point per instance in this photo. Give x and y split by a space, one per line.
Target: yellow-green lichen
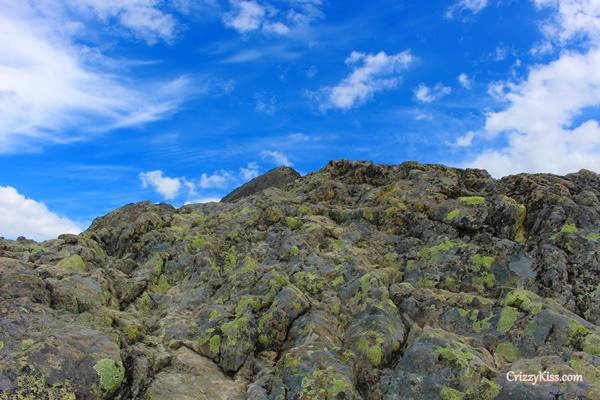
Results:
479 262
447 393
507 351
370 346
294 251
454 356
508 317
214 344
72 263
524 300
26 344
111 374
471 200
325 385
453 214
488 390
591 344
568 228
292 222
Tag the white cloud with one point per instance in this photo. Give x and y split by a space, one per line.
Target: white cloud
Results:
218 179
53 90
251 171
246 16
20 216
465 81
167 187
371 73
276 157
266 105
545 122
462 7
465 140
202 200
143 18
537 121
427 94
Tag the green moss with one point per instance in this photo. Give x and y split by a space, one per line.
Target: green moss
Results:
488 390
452 215
530 328
309 282
245 303
145 303
235 329
370 346
26 344
524 300
339 281
72 263
577 331
1 344
520 224
111 374
463 312
32 386
479 262
214 345
198 243
432 252
484 324
591 344
337 245
507 351
230 262
326 385
425 283
471 200
250 265
294 251
163 284
568 228
454 356
593 236
291 362
448 393
292 222
508 317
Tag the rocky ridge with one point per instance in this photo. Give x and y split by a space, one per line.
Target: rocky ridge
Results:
357 281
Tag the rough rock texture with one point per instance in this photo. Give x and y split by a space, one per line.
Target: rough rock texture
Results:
275 178
358 281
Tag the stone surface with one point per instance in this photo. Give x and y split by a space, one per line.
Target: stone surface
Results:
357 281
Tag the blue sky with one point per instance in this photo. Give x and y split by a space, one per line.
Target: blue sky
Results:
106 102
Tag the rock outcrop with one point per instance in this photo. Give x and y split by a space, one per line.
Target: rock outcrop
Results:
357 281
275 178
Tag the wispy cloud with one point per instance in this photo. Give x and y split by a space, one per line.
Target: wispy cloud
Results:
142 18
281 18
276 157
429 94
371 73
462 8
21 216
50 85
465 81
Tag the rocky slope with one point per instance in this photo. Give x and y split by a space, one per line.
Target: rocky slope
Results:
358 281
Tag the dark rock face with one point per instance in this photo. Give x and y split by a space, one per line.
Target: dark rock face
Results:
358 281
275 178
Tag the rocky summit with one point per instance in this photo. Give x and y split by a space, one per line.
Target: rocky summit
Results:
357 281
